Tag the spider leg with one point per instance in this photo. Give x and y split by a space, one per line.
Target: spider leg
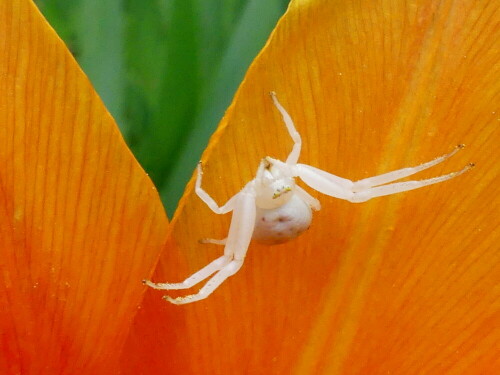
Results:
341 188
228 270
209 201
242 226
399 187
293 157
213 241
401 173
195 278
308 198
324 182
237 242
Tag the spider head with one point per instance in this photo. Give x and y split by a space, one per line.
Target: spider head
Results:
273 185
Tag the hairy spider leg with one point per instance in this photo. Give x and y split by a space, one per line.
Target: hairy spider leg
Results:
402 173
364 190
209 201
294 155
236 245
212 284
398 187
195 278
213 241
212 267
238 240
308 198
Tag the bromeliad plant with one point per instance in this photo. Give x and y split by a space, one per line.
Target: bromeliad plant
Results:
407 284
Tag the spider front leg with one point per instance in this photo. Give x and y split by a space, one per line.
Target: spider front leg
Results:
363 190
294 155
238 240
401 173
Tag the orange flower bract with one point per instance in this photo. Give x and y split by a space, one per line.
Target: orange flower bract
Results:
80 222
406 284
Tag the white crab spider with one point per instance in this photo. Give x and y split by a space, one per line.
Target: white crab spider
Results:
273 209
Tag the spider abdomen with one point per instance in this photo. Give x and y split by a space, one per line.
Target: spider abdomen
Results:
281 224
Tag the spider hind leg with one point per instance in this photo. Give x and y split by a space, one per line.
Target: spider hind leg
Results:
228 270
195 278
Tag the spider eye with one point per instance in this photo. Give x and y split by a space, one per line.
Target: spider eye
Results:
279 192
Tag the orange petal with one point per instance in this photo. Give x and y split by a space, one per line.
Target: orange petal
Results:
80 222
404 284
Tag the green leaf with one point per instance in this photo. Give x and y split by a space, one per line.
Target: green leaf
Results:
177 95
246 41
100 33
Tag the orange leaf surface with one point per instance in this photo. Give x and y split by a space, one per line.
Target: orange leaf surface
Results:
80 222
406 284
